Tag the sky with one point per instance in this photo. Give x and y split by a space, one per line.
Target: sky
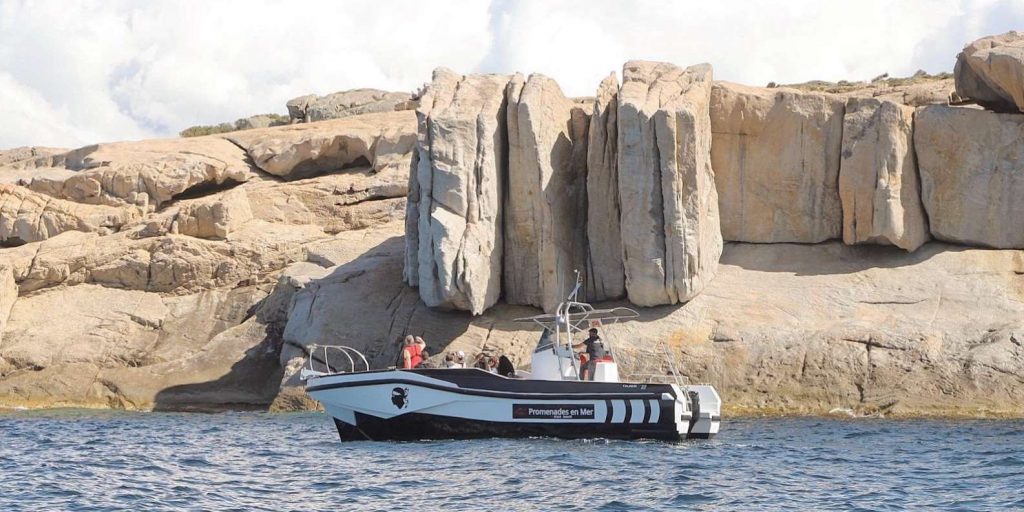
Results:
78 72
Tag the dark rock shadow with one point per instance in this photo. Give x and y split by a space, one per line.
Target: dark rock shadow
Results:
832 257
250 384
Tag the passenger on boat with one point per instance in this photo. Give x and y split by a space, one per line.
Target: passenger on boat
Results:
455 359
412 354
486 362
423 352
595 351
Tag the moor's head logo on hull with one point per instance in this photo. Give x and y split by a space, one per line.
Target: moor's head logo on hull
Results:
400 397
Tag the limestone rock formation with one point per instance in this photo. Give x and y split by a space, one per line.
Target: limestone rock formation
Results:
353 102
297 107
15 155
606 278
783 328
27 216
214 218
545 204
175 305
354 199
8 294
355 284
302 151
916 91
456 201
878 182
257 121
991 72
147 174
669 218
136 350
972 175
776 157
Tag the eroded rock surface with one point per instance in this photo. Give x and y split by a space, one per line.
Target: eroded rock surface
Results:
349 103
157 287
27 216
783 328
990 71
776 157
306 150
545 205
669 209
878 182
462 167
972 175
147 173
606 278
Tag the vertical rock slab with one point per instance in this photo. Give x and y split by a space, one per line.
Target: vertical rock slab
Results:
606 278
878 183
776 160
990 71
8 294
460 175
669 218
545 208
972 175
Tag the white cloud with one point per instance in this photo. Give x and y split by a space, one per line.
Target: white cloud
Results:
73 73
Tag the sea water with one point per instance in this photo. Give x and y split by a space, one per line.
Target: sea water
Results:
88 460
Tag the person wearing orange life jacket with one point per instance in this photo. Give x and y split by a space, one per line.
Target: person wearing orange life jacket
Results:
412 354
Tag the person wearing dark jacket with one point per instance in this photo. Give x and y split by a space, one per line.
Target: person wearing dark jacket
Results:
595 350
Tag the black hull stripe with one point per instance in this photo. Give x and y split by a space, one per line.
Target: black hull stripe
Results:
647 411
418 426
480 379
628 418
489 393
608 405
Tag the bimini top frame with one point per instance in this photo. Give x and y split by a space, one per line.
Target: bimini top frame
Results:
573 316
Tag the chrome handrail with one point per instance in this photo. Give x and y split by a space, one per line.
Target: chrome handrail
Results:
327 350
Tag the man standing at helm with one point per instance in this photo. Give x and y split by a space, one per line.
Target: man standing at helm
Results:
595 351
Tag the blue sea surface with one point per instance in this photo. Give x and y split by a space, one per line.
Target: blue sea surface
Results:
91 460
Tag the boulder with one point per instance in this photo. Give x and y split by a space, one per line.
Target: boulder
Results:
461 170
27 216
216 217
776 156
972 175
669 209
307 150
297 107
356 102
545 205
148 173
990 71
606 278
20 154
878 183
258 121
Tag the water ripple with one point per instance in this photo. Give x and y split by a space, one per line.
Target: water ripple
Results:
98 460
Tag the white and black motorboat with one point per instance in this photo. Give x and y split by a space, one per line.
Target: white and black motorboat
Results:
550 400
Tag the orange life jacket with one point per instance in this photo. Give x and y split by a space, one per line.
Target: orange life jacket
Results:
415 356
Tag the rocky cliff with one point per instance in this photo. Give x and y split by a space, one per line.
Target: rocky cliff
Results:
801 250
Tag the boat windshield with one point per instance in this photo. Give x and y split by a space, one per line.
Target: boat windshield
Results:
545 342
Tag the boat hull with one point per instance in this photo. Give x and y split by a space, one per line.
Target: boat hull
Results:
464 404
